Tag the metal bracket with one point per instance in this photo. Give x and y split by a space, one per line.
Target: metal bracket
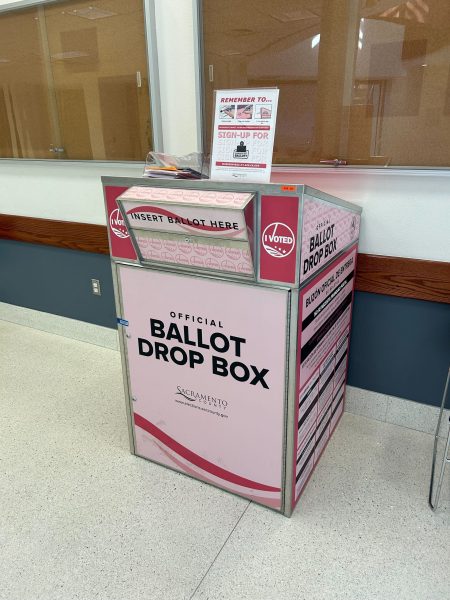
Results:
336 162
445 458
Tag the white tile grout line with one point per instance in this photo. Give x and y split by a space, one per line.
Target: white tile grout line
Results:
220 551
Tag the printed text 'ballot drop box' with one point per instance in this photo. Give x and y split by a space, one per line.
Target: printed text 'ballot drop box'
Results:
234 305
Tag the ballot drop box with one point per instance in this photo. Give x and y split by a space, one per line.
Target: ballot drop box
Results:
234 306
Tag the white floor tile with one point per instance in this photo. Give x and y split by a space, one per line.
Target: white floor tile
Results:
362 530
416 416
71 328
81 518
366 403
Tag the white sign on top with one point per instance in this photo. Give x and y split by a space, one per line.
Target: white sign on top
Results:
243 135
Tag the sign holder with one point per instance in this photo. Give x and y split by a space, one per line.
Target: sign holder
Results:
445 457
234 311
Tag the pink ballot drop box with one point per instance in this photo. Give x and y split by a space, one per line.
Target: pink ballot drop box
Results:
234 306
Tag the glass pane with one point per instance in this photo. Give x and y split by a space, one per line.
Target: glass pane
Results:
81 89
98 58
366 81
27 126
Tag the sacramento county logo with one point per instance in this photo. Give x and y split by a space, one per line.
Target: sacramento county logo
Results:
278 240
117 224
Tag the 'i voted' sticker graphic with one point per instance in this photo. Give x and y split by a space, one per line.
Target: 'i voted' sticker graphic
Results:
278 240
118 225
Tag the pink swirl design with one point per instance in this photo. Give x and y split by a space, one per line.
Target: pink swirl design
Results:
197 460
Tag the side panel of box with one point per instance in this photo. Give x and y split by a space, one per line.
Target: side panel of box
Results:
325 307
327 230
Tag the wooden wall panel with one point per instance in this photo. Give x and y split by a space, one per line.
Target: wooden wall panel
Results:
404 277
62 234
390 275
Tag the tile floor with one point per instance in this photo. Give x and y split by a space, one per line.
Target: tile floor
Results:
81 518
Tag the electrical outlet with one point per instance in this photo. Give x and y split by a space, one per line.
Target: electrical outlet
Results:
96 289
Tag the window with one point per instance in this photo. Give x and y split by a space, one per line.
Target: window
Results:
365 81
74 82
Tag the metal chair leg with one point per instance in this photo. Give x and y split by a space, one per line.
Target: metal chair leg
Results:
446 457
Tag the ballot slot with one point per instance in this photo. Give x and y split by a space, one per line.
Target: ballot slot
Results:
192 229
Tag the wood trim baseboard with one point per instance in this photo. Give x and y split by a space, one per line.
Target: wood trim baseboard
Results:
389 275
61 234
403 277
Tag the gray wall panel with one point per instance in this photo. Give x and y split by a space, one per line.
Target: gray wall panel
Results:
57 281
400 346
